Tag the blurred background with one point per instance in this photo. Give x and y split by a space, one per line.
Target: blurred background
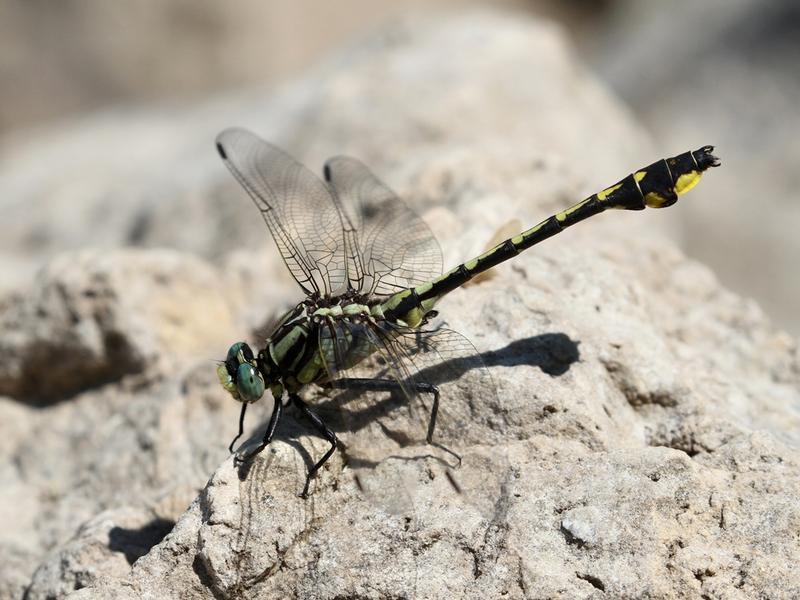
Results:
63 60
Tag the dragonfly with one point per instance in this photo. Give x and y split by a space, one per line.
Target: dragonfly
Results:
371 272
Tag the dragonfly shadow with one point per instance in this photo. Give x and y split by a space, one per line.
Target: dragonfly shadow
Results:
135 543
366 463
553 353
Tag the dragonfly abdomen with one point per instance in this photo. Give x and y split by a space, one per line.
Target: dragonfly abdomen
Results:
656 186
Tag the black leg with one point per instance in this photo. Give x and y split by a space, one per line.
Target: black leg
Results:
241 427
390 385
273 423
434 411
323 429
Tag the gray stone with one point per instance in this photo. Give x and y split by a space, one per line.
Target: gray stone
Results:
83 323
642 441
104 546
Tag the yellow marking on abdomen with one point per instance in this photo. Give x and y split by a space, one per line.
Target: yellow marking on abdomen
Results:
606 192
424 288
687 181
654 200
562 216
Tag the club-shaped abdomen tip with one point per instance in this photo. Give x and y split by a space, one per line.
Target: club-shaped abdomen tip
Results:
688 175
705 159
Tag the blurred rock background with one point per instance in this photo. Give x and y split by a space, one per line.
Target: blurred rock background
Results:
721 71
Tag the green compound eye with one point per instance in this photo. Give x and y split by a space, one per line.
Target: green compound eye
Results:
237 354
249 383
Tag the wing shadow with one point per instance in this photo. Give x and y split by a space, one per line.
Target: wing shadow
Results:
553 353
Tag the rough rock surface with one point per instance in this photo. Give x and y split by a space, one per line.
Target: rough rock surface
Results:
643 438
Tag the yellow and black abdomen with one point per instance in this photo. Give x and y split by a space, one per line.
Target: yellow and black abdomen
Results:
658 185
655 186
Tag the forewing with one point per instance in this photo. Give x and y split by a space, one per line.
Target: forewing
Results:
297 206
392 248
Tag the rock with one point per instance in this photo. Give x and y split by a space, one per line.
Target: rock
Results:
93 318
104 546
641 441
15 564
152 177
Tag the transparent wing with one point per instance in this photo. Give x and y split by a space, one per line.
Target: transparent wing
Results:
471 420
389 247
297 206
368 422
386 430
442 357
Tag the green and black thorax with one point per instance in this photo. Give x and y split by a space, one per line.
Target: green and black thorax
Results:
291 355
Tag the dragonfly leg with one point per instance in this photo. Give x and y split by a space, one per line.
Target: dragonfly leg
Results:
390 385
241 427
273 423
324 430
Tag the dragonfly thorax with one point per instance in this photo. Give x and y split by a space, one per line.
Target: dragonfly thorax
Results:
294 354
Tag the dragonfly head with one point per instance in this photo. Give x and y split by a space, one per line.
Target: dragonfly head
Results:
239 374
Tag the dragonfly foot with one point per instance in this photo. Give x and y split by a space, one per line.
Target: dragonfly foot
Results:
245 457
304 493
452 453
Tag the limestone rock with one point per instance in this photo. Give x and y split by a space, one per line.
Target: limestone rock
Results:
93 318
641 442
105 546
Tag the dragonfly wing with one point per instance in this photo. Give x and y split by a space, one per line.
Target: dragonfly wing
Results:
416 360
352 353
360 351
386 434
297 206
445 358
392 248
471 421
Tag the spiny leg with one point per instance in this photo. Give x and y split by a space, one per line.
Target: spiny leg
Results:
324 430
273 423
390 385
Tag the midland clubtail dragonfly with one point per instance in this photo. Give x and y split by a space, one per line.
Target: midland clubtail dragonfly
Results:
372 274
